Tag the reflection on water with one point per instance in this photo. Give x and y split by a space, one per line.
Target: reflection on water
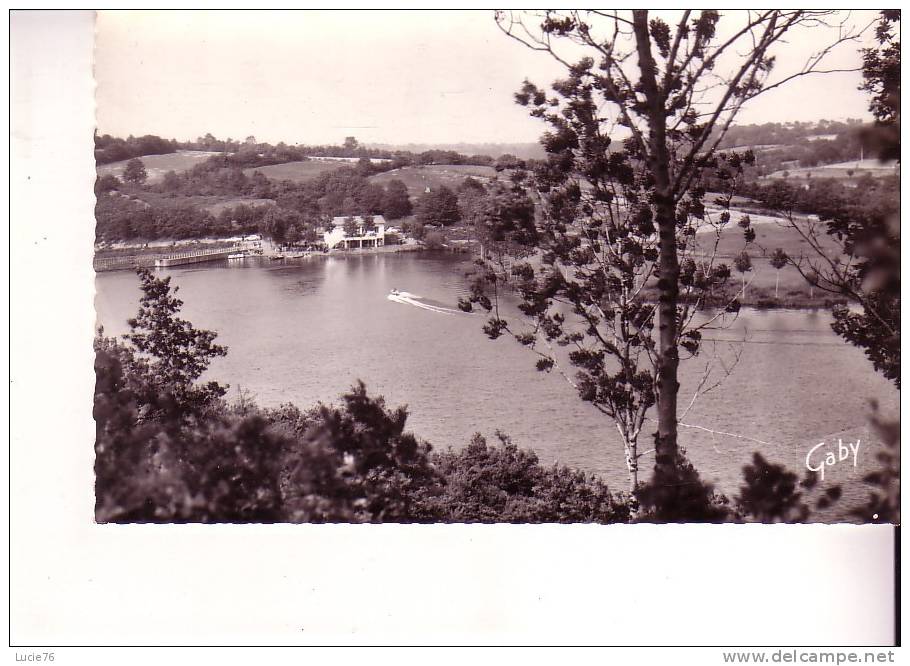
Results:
303 332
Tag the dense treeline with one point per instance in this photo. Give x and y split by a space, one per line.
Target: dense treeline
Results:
779 147
829 198
125 218
805 153
110 149
521 150
350 148
251 153
769 134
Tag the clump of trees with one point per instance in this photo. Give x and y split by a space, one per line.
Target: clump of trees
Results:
438 207
124 218
111 149
256 153
506 484
396 203
287 227
134 172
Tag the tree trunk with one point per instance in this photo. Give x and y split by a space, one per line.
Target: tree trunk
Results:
630 447
776 283
668 262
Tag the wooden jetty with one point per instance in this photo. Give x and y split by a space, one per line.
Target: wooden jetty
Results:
194 257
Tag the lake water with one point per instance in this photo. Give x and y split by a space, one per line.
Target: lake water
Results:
304 331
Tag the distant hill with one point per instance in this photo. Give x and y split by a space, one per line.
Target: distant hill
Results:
767 134
782 134
520 150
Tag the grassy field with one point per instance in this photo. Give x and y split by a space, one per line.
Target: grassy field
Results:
419 178
793 290
770 233
219 206
762 289
213 203
158 165
297 172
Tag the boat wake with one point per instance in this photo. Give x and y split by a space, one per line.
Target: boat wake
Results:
407 298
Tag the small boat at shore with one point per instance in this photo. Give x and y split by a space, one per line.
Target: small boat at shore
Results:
237 255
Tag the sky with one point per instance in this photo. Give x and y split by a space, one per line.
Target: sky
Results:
382 76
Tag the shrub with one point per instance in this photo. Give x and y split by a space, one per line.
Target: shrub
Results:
434 240
505 484
154 463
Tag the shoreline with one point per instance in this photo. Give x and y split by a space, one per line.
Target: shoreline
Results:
128 262
757 299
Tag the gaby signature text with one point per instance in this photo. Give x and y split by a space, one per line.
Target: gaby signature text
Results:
822 455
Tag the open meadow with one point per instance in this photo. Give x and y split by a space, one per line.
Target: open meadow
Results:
158 165
849 171
213 203
296 172
762 280
419 178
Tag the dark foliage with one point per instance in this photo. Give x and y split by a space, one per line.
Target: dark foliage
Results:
395 201
495 484
884 502
177 353
882 80
770 493
675 493
376 471
110 149
135 172
438 207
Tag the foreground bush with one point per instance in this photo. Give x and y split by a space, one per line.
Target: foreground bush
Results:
159 461
491 484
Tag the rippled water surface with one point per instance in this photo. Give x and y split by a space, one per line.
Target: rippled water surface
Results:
304 331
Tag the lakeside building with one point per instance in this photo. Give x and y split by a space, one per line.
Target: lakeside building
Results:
336 236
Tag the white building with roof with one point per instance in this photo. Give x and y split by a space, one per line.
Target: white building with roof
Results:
363 237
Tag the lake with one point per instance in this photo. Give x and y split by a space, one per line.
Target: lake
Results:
304 331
